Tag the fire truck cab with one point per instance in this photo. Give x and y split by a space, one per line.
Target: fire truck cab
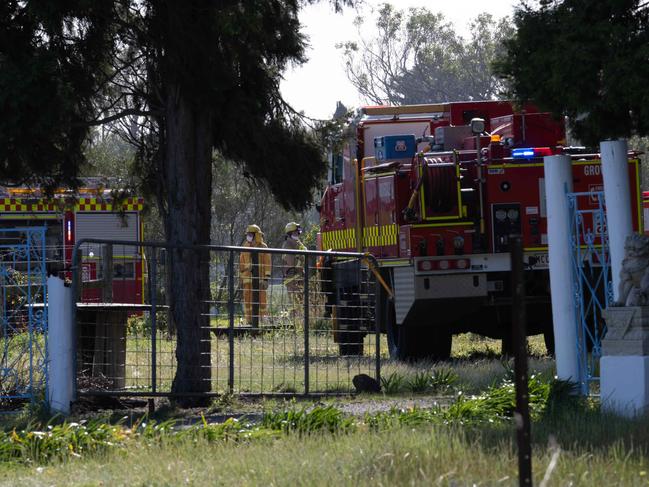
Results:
435 192
92 212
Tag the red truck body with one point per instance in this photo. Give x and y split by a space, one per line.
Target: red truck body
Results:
439 218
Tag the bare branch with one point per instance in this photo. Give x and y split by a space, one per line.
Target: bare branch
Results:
117 116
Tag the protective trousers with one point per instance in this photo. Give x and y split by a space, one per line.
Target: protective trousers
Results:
249 299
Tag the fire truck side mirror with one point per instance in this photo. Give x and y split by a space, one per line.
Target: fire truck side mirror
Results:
477 126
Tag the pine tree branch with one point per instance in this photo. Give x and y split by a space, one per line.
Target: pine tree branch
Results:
119 115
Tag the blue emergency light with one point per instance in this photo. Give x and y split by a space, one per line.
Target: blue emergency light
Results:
526 153
530 152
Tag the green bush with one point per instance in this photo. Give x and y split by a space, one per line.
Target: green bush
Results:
141 325
309 421
393 383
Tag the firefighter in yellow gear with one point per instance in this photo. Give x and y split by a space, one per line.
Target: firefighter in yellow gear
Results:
292 264
254 278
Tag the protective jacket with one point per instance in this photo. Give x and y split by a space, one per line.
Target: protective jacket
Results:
245 261
292 265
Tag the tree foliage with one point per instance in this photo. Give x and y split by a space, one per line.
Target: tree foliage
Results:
240 201
69 65
52 55
416 56
178 80
587 60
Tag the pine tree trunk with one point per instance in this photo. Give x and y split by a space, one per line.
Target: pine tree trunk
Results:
189 184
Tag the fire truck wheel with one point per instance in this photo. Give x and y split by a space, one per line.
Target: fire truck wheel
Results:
411 343
439 342
347 349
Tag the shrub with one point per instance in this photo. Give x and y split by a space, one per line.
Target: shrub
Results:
140 325
309 421
393 383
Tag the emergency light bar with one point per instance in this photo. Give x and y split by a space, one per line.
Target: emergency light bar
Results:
531 152
69 231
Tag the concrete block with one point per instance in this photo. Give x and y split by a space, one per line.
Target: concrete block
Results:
624 384
627 331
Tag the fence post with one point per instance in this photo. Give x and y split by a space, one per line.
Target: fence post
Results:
107 284
378 306
154 319
77 271
75 297
231 322
306 325
60 346
519 331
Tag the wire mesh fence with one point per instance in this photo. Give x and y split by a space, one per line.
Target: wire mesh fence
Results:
23 316
274 321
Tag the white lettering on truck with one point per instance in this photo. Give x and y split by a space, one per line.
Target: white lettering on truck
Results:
593 170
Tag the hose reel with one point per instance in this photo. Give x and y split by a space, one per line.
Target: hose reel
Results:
440 185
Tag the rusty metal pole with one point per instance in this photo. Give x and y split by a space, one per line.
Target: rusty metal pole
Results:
519 335
381 310
77 270
107 284
154 319
231 322
306 325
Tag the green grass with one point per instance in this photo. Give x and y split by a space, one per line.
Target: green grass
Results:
323 447
273 362
16 351
429 455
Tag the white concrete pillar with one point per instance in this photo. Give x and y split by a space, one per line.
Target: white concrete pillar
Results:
558 182
615 169
624 381
60 348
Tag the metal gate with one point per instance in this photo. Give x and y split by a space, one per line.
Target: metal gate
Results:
273 321
23 326
592 285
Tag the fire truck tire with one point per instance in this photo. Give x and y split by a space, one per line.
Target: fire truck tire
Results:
350 349
412 343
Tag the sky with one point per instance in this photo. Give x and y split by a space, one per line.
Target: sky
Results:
315 86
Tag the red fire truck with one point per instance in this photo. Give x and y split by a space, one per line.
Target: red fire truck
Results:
435 192
92 212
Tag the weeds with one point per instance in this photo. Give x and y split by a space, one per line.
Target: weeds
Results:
39 443
306 422
393 383
420 382
443 379
439 380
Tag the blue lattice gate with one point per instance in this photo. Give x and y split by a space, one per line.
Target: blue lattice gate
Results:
23 326
592 281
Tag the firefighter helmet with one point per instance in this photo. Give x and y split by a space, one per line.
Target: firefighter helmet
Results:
292 227
253 229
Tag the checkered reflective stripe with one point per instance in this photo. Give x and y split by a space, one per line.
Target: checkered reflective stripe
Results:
94 204
22 205
374 236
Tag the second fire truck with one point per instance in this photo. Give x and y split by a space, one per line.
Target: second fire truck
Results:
92 212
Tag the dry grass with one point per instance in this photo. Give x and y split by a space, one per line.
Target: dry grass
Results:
424 455
273 362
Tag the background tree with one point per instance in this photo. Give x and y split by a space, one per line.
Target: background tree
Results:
239 201
417 57
587 60
183 79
